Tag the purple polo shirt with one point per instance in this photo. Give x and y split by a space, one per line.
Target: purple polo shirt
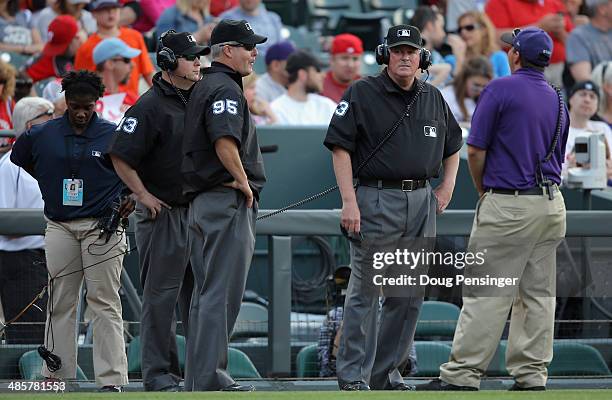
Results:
515 122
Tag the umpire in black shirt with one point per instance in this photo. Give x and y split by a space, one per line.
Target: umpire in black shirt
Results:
147 152
224 174
393 198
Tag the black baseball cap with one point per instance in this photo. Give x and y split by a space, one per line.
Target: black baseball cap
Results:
230 30
302 59
404 35
584 85
183 43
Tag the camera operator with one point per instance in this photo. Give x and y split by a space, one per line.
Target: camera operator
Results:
79 187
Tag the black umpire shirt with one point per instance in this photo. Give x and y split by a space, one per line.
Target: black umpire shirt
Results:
149 139
218 109
371 107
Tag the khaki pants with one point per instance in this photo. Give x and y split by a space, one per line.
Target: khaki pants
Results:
71 246
521 235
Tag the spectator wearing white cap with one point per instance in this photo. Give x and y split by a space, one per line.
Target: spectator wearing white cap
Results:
113 59
53 92
75 8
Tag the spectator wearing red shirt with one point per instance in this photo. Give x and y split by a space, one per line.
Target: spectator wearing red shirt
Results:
113 59
219 6
549 15
345 65
64 38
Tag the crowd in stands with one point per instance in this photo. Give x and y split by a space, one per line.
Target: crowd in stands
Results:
40 41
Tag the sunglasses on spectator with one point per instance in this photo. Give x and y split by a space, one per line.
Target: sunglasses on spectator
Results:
124 59
469 28
48 113
189 57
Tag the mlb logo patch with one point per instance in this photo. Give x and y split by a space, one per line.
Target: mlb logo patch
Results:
96 153
403 33
430 131
248 26
191 38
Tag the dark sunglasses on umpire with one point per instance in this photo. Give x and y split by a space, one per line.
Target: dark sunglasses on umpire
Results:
124 59
468 28
247 47
189 57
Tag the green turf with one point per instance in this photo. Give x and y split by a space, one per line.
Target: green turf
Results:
497 395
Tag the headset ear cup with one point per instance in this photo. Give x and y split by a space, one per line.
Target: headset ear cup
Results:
166 60
425 59
382 54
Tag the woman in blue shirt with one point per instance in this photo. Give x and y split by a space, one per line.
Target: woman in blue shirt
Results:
188 16
476 29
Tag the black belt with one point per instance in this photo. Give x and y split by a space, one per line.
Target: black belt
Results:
535 191
407 185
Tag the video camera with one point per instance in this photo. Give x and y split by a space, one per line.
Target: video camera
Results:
591 156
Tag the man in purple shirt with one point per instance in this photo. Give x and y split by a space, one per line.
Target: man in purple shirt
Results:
515 151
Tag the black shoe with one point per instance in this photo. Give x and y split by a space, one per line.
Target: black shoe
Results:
111 388
234 387
517 388
439 385
403 386
356 385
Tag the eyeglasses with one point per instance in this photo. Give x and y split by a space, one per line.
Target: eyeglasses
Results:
190 57
469 28
124 59
48 113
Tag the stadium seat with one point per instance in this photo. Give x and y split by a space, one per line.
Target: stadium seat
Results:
437 320
430 355
307 362
371 28
497 366
30 365
133 354
577 359
286 9
252 321
302 38
369 65
17 60
323 14
240 366
391 5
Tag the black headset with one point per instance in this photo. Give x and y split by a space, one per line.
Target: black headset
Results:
383 55
166 59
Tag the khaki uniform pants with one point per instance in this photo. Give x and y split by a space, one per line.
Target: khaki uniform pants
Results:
520 234
68 246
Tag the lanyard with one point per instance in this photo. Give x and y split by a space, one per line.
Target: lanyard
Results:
74 169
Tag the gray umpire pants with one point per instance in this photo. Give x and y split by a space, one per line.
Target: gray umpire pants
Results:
371 351
222 236
166 278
